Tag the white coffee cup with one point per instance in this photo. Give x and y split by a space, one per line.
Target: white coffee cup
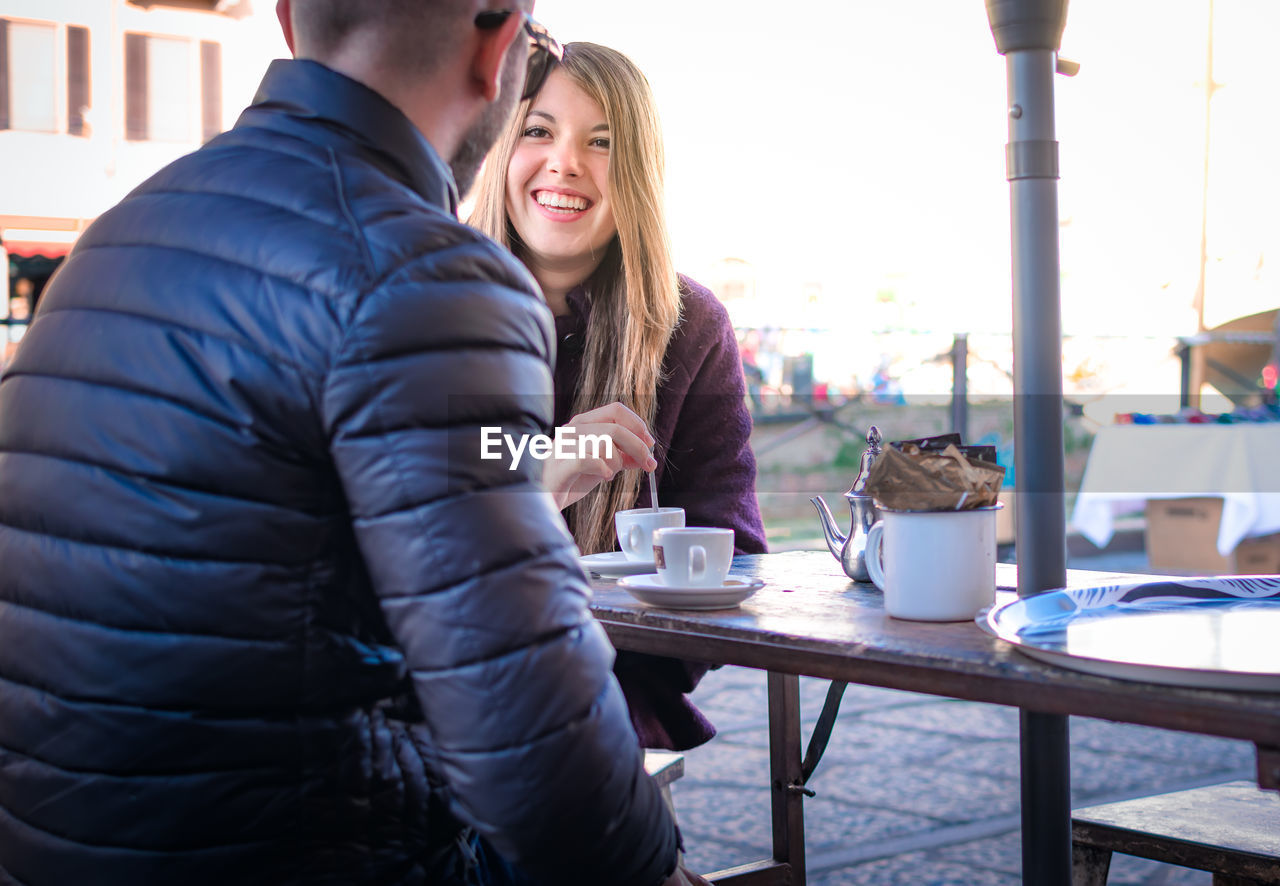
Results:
636 527
693 556
934 565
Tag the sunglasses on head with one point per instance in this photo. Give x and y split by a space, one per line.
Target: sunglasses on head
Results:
544 50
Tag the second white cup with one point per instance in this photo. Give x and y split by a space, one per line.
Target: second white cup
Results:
636 526
693 556
934 565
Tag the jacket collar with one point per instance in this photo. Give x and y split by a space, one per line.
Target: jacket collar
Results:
572 326
307 99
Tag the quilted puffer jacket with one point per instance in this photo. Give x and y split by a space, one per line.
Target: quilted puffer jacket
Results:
266 615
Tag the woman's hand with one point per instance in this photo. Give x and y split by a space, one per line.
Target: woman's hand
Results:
569 479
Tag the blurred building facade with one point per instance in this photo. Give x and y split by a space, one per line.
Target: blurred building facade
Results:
95 95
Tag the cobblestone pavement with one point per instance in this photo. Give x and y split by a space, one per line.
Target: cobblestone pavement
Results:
920 790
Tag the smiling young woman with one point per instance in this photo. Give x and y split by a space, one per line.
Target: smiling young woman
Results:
575 189
649 357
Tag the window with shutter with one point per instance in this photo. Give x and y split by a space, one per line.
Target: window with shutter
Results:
78 95
160 89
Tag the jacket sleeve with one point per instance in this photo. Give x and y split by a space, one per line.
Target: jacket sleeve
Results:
477 575
710 470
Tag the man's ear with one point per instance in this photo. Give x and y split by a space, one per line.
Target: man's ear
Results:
486 64
286 22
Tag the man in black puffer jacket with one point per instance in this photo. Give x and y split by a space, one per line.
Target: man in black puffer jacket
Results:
266 615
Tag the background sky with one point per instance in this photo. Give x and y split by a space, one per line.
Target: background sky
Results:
852 151
859 144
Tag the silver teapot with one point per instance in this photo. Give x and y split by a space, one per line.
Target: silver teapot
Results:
851 549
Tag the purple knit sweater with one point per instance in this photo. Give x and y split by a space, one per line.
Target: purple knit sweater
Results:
705 465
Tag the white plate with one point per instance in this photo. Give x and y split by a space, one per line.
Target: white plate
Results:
653 590
1214 633
614 563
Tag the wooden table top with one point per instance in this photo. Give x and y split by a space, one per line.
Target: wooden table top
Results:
810 619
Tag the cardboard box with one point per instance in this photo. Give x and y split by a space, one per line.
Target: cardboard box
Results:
1182 538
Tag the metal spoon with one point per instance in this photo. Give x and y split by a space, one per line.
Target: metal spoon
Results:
653 490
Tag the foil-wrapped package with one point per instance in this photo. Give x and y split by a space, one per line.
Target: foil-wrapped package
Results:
935 474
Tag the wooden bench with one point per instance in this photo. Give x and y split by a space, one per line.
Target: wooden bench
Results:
665 767
1230 829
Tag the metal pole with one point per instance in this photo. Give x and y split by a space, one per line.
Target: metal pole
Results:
1028 33
1037 432
960 385
1046 799
1037 323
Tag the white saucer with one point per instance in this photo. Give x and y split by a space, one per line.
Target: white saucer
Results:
614 563
653 590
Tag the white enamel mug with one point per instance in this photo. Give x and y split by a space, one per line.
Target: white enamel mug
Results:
934 565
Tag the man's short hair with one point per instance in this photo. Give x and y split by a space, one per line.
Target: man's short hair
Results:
413 34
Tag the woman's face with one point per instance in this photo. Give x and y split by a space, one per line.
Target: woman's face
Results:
557 181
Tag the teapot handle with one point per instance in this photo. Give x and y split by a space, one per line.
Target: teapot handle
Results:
874 556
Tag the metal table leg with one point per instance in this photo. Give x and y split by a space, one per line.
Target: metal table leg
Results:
786 794
1268 767
785 779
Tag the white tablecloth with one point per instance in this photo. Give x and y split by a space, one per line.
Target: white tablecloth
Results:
1129 464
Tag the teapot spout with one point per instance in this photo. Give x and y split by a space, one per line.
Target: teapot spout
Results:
835 538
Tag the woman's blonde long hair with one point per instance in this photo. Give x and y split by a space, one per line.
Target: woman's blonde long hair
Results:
634 293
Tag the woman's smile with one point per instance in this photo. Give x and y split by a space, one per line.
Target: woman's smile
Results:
559 205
